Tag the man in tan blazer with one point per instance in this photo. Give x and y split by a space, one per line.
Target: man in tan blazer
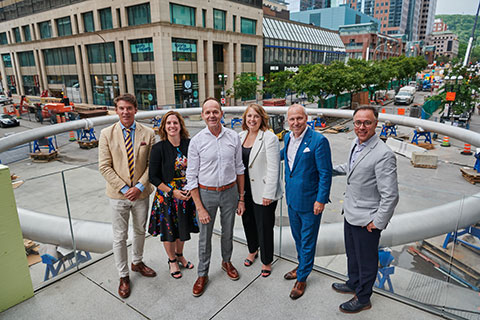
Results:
124 152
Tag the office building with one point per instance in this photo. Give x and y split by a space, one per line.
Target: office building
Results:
314 4
166 53
445 42
427 18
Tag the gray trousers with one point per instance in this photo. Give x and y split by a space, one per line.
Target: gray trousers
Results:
227 202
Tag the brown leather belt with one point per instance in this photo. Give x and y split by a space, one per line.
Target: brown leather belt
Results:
218 189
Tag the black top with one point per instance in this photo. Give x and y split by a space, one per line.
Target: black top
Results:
245 158
162 161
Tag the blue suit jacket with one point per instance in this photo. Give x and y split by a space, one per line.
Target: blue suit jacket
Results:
311 175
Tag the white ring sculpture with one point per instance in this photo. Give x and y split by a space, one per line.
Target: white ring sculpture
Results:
404 228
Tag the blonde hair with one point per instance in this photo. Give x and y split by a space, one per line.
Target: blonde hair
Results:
258 109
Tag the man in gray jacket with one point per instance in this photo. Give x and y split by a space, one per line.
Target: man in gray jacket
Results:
370 199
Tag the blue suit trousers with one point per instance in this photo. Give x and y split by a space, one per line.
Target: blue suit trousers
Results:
304 226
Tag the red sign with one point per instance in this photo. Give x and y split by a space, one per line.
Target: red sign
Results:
450 96
222 100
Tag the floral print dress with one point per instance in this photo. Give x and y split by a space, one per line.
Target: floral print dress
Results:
171 218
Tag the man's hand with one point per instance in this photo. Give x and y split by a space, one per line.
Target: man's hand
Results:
133 193
266 201
318 208
240 208
181 195
203 215
371 226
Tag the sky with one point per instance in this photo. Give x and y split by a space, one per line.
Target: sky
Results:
443 6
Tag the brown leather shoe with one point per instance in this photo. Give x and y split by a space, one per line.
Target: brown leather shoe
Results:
144 270
231 271
124 288
298 290
199 286
291 275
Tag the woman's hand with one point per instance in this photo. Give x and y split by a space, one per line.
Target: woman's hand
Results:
181 195
266 201
240 207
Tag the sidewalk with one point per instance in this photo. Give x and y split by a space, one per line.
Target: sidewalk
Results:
92 294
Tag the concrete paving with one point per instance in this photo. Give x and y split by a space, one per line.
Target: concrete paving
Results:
92 294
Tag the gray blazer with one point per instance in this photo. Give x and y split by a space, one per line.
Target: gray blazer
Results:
372 187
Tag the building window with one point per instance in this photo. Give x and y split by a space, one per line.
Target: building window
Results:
185 99
16 32
106 18
204 18
248 53
64 26
139 14
184 50
67 80
182 15
30 85
59 56
103 89
141 49
88 24
7 60
219 19
234 26
248 26
3 38
25 59
12 86
101 53
145 90
45 29
26 33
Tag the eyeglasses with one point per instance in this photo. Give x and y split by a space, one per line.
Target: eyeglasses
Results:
366 123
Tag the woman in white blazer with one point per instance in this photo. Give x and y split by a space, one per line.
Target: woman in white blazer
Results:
261 157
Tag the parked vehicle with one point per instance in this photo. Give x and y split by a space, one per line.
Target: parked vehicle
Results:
405 95
5 100
7 120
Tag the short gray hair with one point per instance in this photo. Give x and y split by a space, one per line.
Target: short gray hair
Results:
298 105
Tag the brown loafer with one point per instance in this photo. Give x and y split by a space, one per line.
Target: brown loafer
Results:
144 270
291 275
124 287
231 271
298 290
199 286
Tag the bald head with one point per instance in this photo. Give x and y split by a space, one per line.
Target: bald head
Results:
297 119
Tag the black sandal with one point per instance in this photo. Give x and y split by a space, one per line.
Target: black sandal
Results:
189 265
176 274
266 273
248 262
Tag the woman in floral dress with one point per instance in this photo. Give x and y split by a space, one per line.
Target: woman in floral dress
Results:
173 211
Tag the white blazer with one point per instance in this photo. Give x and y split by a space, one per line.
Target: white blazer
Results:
264 166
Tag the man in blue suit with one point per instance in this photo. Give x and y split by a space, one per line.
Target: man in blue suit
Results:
308 177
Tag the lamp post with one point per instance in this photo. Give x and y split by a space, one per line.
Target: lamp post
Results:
378 47
110 58
222 78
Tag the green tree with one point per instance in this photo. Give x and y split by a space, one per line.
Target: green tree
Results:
245 86
279 84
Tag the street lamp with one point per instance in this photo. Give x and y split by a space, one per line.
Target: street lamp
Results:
222 78
375 50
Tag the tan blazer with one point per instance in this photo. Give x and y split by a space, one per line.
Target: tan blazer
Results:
264 166
113 163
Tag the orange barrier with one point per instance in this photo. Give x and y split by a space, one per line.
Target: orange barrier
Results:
467 150
383 110
17 113
445 142
401 111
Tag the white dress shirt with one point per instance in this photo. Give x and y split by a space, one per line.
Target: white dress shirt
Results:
293 145
214 161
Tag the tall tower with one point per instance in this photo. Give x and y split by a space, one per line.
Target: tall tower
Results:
427 18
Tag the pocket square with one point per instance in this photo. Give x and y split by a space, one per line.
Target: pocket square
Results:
143 143
307 149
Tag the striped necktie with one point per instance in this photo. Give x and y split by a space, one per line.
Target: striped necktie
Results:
129 147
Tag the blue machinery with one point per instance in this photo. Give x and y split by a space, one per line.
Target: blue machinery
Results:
385 259
420 133
388 129
453 236
39 143
53 265
86 135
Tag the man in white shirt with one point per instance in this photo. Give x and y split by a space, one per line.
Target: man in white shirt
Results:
215 179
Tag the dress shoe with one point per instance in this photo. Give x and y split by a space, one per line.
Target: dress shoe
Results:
342 288
143 269
199 286
354 306
230 269
298 290
124 287
291 275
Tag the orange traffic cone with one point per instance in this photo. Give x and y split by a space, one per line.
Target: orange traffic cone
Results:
467 150
71 136
445 142
17 113
59 119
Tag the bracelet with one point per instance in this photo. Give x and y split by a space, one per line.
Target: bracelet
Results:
241 200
